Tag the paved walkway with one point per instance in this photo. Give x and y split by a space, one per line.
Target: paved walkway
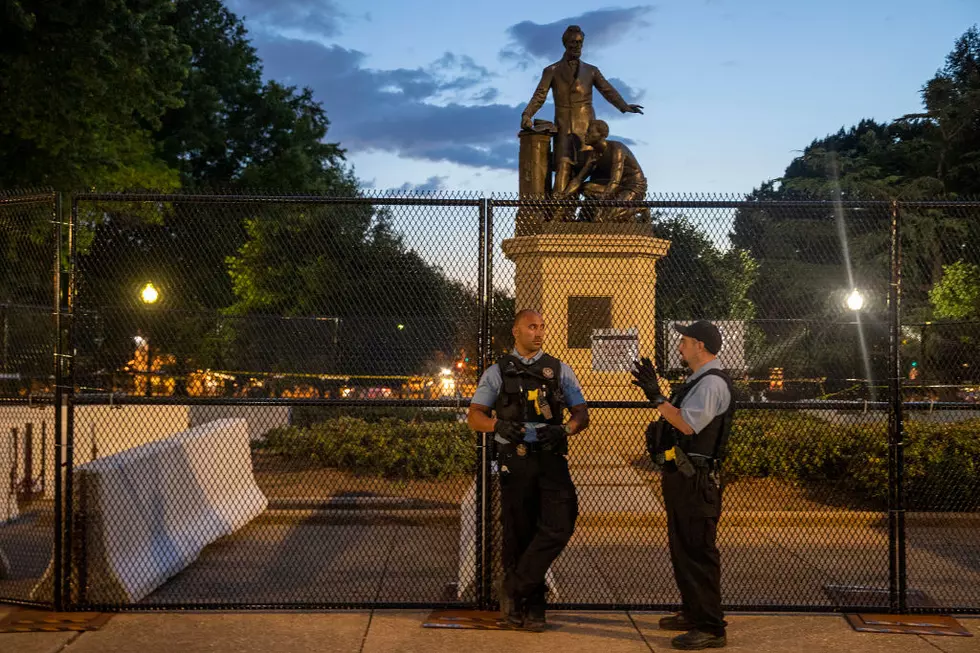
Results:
384 631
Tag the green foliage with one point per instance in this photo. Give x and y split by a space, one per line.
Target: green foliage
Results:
803 253
696 280
389 447
116 65
942 460
957 295
346 261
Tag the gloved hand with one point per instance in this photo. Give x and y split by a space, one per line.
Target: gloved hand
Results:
510 431
551 433
646 379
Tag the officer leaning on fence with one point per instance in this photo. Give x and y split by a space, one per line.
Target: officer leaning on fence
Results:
528 391
689 444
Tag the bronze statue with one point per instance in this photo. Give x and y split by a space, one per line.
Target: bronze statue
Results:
613 174
571 81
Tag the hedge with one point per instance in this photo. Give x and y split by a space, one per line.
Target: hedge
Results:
388 447
942 461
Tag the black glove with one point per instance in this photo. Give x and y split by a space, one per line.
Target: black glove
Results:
646 379
510 431
551 433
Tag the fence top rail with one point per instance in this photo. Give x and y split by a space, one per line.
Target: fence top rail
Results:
420 200
698 204
39 401
106 399
97 399
31 198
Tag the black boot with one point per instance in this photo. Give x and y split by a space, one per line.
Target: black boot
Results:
534 618
511 607
677 621
696 640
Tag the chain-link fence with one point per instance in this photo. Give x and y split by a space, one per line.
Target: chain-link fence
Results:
28 236
268 398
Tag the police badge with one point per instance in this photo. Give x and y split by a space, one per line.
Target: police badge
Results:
548 373
521 450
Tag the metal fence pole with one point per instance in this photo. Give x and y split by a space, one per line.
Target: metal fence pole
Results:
481 438
897 581
68 304
486 505
59 399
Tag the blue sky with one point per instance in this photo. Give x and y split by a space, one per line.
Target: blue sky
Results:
428 93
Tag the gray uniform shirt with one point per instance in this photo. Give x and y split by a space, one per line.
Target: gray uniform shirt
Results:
709 398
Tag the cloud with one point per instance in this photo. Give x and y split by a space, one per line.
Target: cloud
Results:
530 41
446 111
432 184
322 17
440 112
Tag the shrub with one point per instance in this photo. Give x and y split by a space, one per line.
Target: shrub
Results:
942 461
388 447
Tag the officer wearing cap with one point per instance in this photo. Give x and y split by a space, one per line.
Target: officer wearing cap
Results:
690 444
528 391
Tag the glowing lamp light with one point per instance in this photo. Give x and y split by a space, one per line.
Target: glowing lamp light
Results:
855 301
149 294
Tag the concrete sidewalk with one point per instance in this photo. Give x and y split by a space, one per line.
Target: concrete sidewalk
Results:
386 631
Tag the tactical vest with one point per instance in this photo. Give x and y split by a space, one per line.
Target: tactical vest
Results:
712 441
526 388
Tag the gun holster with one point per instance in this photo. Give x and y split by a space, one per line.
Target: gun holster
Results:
659 440
684 465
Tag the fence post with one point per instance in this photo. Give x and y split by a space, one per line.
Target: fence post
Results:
897 581
59 400
64 418
483 340
485 494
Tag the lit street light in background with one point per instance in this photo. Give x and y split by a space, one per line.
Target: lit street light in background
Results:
149 295
855 301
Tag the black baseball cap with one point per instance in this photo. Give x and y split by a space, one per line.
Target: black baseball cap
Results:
704 331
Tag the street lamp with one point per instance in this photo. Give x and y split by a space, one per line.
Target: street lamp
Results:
149 295
855 301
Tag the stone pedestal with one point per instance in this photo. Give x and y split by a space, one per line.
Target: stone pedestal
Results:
609 272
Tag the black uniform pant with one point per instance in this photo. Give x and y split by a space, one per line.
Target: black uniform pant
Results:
538 509
693 507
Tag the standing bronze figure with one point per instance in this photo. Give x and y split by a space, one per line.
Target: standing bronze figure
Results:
571 81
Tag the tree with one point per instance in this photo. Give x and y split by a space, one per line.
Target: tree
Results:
957 295
346 262
810 255
696 280
931 155
233 131
229 132
950 123
116 67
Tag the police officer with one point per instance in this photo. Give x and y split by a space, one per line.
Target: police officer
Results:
689 442
521 399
